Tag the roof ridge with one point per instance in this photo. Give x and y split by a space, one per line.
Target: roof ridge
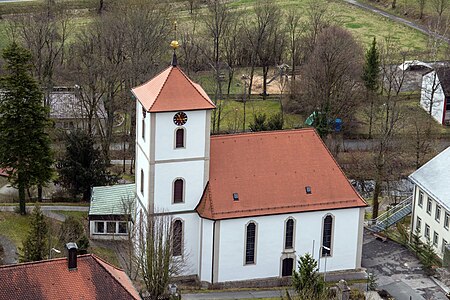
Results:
24 264
98 260
193 85
438 155
162 85
258 133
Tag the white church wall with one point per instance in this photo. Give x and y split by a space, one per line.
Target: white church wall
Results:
269 243
143 142
206 250
191 172
430 83
191 242
143 164
194 136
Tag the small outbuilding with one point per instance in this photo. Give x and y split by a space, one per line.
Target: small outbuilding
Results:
111 211
435 94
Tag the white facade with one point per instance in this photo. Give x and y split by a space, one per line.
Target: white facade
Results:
432 218
432 95
229 239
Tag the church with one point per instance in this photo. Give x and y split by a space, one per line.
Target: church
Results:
245 206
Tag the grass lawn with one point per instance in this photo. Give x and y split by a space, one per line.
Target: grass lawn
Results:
107 254
14 226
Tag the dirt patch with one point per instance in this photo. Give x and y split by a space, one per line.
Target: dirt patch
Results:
272 88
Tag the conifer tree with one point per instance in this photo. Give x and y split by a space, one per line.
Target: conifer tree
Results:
24 143
35 245
371 77
307 282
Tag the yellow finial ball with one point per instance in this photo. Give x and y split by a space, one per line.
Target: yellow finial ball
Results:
174 45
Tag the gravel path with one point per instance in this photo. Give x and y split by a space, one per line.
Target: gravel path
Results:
9 251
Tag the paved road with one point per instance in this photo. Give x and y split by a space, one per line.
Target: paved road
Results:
235 295
397 19
398 271
46 208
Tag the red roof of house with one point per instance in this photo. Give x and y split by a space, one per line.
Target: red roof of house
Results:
172 90
51 279
270 172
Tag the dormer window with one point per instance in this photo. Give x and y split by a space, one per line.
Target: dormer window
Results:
235 196
308 189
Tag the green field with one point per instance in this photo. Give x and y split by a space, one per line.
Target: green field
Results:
364 25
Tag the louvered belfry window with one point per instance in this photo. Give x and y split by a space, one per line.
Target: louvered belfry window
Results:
289 239
178 187
179 138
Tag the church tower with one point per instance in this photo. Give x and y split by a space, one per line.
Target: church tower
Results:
173 116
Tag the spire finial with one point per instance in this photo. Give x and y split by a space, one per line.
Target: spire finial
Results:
174 44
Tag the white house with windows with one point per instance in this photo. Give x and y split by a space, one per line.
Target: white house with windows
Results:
431 202
111 211
244 206
435 94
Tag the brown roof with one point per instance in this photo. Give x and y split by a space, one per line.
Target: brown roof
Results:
51 279
172 90
270 172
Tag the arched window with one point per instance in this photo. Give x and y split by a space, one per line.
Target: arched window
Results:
250 244
289 237
178 189
327 235
177 240
179 138
142 182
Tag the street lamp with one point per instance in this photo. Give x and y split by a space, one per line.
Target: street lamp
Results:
55 250
325 267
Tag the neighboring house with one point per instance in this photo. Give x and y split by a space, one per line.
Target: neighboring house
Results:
76 277
111 210
435 95
244 206
69 113
431 202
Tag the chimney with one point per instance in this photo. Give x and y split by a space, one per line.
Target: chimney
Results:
72 255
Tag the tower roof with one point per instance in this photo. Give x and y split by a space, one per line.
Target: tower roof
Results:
172 90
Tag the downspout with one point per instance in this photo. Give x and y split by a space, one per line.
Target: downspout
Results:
212 260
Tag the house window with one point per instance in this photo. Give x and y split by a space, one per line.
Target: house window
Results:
435 239
142 182
418 224
420 198
122 227
289 237
110 227
446 220
143 129
179 138
99 227
250 243
178 189
427 231
429 206
177 240
437 214
444 243
327 235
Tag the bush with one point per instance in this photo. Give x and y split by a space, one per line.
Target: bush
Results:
259 123
275 122
72 230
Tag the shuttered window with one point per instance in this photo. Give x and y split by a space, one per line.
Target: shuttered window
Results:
289 239
250 244
179 143
178 187
177 241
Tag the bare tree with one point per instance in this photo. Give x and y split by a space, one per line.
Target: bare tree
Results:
440 6
421 4
330 81
294 30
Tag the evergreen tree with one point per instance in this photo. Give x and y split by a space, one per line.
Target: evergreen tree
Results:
307 282
35 245
83 165
259 123
24 143
371 77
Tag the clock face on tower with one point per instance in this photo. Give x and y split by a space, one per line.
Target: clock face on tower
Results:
180 118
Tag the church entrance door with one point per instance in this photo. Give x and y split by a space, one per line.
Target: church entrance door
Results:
287 267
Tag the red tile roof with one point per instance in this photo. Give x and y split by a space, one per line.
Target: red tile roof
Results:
172 90
270 171
51 279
